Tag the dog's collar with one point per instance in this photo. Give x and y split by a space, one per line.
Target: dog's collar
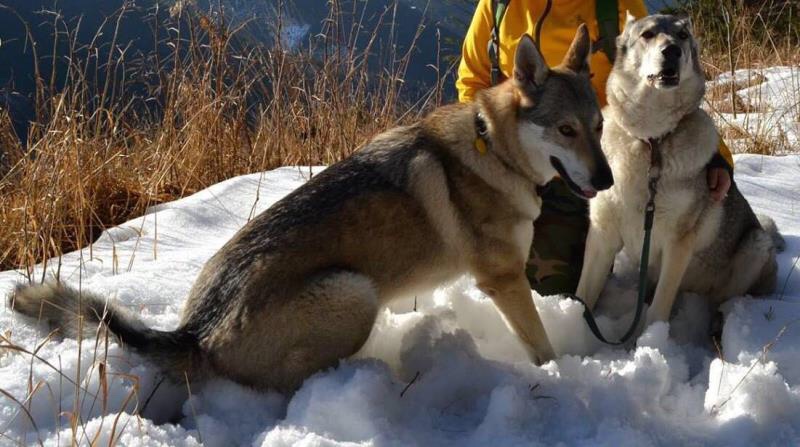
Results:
653 174
482 139
654 145
483 143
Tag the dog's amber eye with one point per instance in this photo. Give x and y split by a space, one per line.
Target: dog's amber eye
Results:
567 131
683 35
647 35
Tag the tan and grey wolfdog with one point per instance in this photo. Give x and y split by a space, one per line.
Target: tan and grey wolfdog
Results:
718 250
299 287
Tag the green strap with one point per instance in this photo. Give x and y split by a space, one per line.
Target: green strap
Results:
653 176
500 7
607 13
499 11
643 267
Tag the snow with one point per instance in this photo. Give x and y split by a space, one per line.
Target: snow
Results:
770 96
472 383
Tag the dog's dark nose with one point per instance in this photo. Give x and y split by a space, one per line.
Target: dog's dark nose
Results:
669 72
602 179
672 52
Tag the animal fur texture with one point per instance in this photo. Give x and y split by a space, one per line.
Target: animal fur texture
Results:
299 287
718 250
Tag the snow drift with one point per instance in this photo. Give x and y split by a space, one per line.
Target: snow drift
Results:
437 369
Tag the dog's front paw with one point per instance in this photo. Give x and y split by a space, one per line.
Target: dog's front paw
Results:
653 316
541 355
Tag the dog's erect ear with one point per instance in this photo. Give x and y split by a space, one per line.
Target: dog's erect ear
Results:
685 22
530 69
629 18
623 35
577 58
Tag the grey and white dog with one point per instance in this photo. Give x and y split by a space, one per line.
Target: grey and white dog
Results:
718 250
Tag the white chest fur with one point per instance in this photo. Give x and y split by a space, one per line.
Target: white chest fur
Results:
682 198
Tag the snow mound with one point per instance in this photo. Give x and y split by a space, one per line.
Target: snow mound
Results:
438 369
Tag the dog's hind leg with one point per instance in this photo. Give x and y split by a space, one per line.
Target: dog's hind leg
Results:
329 319
753 267
769 226
675 260
334 317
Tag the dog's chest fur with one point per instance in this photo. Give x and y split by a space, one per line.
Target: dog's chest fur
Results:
683 185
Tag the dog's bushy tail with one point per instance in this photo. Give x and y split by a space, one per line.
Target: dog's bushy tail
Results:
75 314
772 230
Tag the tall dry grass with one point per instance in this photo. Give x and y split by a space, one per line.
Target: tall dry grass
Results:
125 133
749 37
122 134
104 148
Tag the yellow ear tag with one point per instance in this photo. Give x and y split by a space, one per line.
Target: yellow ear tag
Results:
480 146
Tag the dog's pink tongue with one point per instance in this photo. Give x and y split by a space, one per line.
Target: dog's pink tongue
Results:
589 193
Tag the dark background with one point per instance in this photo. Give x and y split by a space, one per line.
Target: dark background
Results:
444 23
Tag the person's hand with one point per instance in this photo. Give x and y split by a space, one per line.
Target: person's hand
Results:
719 182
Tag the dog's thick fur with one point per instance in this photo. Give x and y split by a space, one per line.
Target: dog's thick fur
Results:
718 250
299 286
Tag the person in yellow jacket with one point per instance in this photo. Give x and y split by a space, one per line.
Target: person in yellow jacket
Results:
560 231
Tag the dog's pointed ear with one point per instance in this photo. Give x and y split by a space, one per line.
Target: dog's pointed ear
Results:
629 18
577 58
685 22
530 68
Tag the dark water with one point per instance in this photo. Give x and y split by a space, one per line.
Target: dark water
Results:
438 45
444 24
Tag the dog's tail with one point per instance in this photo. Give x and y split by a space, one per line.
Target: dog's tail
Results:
75 313
772 230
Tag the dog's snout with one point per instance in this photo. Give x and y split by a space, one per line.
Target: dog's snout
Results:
602 179
672 52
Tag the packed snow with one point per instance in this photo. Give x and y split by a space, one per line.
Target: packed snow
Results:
437 369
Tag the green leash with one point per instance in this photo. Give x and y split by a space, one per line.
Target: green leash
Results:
653 175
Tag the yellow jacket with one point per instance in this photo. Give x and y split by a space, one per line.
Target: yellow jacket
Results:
557 32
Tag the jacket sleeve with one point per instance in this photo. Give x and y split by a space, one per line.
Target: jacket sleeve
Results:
475 67
723 158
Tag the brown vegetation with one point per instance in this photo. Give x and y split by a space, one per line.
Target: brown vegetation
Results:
99 155
752 36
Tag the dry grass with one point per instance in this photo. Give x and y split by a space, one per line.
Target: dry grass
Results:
751 36
105 148
100 152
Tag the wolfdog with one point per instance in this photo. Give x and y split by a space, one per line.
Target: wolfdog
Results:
718 250
299 287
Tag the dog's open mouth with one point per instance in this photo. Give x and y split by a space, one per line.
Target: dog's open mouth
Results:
577 190
667 77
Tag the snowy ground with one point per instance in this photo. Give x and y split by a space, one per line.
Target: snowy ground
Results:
473 385
771 98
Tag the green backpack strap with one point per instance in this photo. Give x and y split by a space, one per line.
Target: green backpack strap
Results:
498 12
607 12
